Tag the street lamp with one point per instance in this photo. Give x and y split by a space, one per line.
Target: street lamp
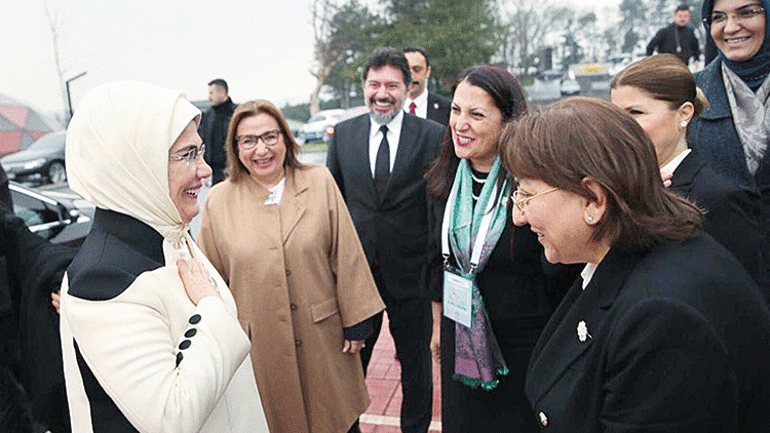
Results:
67 85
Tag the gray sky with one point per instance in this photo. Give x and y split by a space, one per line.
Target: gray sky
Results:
262 48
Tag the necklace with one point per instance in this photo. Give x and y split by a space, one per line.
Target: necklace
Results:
476 179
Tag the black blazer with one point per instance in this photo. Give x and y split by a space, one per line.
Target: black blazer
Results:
394 228
675 341
438 108
732 214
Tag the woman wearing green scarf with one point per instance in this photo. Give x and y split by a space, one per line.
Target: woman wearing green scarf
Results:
491 282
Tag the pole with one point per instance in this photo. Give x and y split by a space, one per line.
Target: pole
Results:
67 85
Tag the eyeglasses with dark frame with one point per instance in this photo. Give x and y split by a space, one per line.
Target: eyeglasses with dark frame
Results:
270 138
190 156
523 202
741 14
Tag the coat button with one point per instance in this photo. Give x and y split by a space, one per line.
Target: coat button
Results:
293 307
543 419
194 319
184 344
298 342
190 332
288 272
179 357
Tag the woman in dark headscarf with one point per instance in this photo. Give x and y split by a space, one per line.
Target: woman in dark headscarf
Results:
732 135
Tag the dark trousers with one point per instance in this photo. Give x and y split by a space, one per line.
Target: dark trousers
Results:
410 326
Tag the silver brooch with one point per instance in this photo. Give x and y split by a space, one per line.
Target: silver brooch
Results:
582 331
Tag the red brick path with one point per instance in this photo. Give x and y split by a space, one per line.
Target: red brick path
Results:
383 381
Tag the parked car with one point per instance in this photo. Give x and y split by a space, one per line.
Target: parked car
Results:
320 126
348 113
569 86
42 161
294 126
353 112
60 217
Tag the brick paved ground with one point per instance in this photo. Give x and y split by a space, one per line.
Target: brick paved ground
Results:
383 381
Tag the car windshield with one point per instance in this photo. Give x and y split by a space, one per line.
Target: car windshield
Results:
317 118
47 142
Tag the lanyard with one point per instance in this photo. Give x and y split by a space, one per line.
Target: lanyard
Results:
483 229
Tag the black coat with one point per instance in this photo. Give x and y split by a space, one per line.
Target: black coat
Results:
675 340
394 229
31 377
732 214
520 290
665 41
213 132
438 108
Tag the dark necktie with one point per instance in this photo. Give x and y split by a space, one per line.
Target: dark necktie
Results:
382 163
412 106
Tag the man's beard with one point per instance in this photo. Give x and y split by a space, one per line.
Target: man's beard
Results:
385 118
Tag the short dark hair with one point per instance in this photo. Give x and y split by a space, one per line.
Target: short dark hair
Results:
682 7
416 49
583 138
387 56
221 83
235 168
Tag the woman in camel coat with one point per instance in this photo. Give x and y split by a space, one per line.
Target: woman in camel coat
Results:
280 234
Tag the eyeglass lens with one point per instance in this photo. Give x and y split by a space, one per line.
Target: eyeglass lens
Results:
741 14
270 138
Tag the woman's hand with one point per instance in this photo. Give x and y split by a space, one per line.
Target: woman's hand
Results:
196 279
352 346
435 338
666 176
56 301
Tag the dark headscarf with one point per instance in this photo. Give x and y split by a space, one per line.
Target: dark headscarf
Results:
754 71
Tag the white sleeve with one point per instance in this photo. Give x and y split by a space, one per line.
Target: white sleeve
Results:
127 344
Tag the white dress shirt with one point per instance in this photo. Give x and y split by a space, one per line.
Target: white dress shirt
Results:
375 137
420 105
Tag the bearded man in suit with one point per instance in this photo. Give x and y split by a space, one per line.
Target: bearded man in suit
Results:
378 160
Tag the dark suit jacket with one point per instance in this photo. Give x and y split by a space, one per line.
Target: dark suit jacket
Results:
675 341
438 108
732 214
394 228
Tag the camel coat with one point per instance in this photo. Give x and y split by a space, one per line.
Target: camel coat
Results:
298 275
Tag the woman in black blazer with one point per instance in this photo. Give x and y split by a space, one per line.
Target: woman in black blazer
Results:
517 289
660 93
665 331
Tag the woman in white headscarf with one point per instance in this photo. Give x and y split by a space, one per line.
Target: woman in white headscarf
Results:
150 335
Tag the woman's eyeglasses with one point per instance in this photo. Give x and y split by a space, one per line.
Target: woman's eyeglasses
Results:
190 156
741 14
270 138
522 202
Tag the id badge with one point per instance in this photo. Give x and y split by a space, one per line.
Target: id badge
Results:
457 297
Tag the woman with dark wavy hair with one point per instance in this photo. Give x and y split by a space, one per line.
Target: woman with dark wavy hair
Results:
665 331
498 267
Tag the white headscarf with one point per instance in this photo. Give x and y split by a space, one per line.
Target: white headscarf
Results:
117 151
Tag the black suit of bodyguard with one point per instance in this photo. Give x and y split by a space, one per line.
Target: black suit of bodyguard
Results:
392 223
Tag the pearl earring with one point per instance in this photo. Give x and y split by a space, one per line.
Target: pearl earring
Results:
590 219
683 124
